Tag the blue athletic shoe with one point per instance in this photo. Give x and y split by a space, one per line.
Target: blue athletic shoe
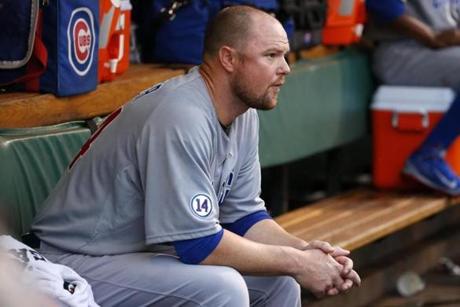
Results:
430 169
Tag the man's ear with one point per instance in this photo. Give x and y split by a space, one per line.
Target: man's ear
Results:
227 58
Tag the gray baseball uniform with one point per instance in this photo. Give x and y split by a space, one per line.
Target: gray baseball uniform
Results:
399 60
156 174
161 170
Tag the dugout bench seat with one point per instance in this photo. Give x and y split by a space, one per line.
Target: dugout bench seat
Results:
31 162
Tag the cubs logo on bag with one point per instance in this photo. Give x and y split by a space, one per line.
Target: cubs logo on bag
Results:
81 40
49 46
71 36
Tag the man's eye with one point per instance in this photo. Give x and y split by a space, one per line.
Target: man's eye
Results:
271 55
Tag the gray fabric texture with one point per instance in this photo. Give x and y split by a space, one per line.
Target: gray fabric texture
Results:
398 60
146 279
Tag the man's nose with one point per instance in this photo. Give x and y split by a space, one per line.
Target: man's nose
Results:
285 68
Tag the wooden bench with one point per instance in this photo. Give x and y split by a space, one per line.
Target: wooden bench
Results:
388 232
362 216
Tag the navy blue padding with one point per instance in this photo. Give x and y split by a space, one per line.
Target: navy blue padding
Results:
196 250
241 226
385 11
181 40
15 19
267 5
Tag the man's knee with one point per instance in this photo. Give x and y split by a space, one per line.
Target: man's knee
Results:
290 284
224 287
273 291
289 289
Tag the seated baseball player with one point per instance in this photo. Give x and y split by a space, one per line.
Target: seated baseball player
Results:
161 207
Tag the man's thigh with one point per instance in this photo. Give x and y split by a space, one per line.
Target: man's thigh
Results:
146 279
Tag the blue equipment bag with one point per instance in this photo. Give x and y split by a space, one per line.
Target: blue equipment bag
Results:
23 57
49 45
70 33
180 39
266 5
173 30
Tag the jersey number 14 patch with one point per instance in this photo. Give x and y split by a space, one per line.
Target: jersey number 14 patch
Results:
201 205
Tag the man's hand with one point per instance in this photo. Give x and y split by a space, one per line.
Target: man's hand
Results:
347 273
450 37
320 273
326 247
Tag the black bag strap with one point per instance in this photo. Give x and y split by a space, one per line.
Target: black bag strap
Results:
169 12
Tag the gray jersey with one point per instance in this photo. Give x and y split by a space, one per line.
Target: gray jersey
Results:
438 14
162 170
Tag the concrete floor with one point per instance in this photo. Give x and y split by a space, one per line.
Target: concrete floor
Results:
441 289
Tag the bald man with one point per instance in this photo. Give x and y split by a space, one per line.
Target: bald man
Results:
162 206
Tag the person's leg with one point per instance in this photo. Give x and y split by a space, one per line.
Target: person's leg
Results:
409 63
143 279
273 291
427 164
447 130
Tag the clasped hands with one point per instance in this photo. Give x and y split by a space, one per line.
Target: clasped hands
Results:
341 276
447 38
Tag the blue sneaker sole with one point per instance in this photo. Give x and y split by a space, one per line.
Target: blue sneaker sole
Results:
412 172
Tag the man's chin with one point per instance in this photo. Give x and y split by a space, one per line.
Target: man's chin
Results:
268 106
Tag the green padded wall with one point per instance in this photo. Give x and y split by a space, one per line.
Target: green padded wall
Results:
323 104
31 162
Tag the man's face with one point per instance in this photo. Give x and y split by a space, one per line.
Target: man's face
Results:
262 67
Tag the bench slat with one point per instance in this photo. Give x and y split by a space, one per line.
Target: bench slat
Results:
362 216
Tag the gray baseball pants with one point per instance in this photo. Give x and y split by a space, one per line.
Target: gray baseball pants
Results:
147 279
407 62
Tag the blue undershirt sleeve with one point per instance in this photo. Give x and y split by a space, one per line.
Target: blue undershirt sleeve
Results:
196 250
385 11
241 226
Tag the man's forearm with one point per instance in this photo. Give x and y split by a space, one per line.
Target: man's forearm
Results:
417 30
269 232
254 258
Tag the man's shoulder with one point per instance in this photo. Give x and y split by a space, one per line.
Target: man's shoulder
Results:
174 86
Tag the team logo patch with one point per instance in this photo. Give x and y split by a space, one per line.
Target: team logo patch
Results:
81 40
225 188
201 205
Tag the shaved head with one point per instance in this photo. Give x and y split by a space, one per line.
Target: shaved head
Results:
231 27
